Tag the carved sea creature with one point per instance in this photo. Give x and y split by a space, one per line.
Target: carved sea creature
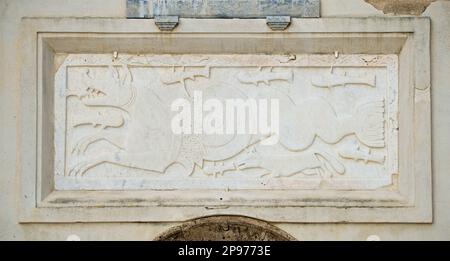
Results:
182 76
100 117
264 76
333 80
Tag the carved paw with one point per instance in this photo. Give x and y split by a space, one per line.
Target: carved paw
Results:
80 168
217 169
81 146
324 172
329 165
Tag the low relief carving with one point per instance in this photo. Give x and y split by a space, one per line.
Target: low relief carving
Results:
316 118
308 163
115 121
264 76
361 153
334 80
182 76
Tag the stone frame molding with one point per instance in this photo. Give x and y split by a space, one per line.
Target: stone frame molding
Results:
410 200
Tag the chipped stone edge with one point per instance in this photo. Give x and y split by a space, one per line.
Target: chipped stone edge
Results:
224 221
401 7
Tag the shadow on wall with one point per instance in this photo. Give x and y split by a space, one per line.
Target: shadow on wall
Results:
225 228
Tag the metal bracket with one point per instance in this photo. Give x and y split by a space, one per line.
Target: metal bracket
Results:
166 23
278 23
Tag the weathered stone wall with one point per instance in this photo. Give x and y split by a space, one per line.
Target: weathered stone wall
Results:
11 12
401 7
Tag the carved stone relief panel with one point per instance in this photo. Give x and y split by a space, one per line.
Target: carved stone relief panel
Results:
338 125
98 141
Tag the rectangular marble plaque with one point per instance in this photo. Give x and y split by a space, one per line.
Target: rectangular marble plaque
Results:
222 8
338 122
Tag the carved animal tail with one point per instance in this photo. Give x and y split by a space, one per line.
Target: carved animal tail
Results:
369 122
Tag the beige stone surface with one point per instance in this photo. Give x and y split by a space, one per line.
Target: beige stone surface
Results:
12 11
405 7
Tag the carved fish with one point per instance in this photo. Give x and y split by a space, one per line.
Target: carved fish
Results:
333 80
360 154
181 77
264 77
103 118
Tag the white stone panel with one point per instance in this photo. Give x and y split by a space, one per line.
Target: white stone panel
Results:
338 122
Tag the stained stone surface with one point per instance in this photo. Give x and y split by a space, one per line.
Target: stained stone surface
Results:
404 7
338 122
223 8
